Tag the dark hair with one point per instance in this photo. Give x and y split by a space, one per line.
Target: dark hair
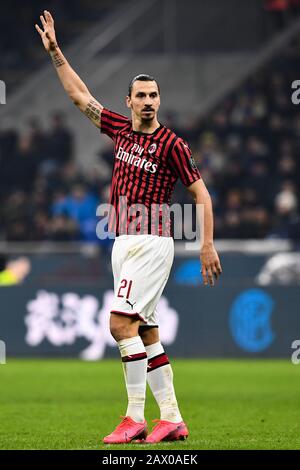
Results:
143 77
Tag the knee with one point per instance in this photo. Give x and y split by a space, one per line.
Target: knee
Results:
123 327
117 332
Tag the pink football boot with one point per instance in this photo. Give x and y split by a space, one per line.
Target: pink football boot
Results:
167 431
126 431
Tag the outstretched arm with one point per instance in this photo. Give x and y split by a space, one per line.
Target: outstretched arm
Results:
72 83
210 263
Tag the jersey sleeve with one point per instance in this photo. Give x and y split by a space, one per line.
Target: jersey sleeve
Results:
112 122
183 164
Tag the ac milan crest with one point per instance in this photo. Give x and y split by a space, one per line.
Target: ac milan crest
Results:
152 148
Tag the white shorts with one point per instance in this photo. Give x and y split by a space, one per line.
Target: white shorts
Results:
141 266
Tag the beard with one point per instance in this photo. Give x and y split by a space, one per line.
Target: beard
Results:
147 116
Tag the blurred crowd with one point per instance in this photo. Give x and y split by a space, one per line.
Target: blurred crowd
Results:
44 194
247 151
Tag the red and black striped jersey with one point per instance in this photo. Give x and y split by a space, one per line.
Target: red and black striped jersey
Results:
146 168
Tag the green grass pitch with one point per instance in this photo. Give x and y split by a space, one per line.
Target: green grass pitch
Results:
69 404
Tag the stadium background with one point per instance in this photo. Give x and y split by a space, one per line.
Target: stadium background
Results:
225 70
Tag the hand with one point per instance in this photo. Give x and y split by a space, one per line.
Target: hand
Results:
48 35
210 264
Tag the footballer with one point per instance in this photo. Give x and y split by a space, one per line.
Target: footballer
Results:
148 160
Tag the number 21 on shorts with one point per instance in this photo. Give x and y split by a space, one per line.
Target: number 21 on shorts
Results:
124 289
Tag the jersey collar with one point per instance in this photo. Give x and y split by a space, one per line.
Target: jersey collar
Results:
149 133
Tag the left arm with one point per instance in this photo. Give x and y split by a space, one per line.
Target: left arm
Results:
210 263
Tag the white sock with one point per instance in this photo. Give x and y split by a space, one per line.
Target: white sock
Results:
134 359
160 380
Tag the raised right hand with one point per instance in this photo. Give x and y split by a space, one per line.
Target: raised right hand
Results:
48 34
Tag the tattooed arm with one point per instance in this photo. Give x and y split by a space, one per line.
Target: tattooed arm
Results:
72 83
